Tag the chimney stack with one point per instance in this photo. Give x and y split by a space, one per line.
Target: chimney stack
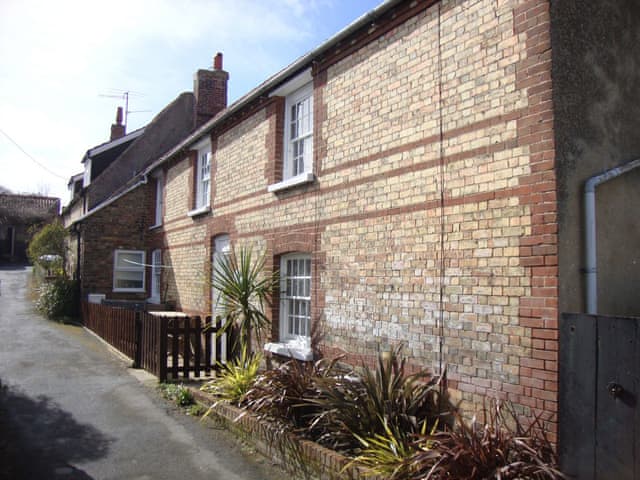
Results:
210 90
118 130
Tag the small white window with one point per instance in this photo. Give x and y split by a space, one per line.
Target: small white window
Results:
295 298
86 178
128 271
159 199
203 178
298 139
156 272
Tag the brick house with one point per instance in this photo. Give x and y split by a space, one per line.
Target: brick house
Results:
113 216
418 178
20 217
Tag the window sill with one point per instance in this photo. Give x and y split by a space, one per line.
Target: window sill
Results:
129 290
301 179
199 211
291 350
156 226
154 300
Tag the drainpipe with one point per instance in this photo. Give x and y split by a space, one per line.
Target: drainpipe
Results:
590 230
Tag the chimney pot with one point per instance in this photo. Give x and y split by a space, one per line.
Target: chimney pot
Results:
118 130
217 61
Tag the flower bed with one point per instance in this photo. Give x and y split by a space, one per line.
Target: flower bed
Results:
319 421
292 453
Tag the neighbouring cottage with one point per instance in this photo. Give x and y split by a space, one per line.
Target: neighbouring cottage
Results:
20 217
419 178
116 204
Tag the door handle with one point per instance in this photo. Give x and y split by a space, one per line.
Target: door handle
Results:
615 389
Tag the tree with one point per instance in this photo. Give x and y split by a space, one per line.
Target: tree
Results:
47 247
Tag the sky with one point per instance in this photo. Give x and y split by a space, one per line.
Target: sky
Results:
66 64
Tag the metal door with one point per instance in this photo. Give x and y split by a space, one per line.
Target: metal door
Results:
599 420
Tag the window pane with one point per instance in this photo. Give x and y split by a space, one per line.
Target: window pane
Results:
129 259
129 280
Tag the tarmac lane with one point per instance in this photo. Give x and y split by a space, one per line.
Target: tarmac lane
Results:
70 409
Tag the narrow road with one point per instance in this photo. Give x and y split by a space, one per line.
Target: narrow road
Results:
70 409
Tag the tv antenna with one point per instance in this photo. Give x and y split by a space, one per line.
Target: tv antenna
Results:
124 94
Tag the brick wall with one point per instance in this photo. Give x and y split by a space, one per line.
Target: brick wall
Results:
432 220
123 224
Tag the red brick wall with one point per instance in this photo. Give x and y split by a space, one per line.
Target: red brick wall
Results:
123 224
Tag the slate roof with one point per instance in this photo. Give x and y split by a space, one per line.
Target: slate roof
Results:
166 129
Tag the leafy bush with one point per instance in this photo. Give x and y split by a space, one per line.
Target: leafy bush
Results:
58 299
46 245
236 378
501 448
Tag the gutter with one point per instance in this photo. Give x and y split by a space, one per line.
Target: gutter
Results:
591 270
296 67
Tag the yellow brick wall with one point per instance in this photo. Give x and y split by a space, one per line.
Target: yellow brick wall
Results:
470 286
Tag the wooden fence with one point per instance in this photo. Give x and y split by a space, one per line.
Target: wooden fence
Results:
170 345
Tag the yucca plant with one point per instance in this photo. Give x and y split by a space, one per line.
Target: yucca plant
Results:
245 289
235 378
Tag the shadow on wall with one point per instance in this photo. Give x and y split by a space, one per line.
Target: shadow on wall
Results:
40 440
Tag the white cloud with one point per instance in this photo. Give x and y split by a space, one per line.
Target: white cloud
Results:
59 56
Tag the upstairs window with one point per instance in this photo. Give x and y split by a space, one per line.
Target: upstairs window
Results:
203 178
159 205
298 140
128 271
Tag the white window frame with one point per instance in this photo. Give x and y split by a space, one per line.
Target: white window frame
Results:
156 276
291 343
288 325
138 267
298 91
203 178
159 212
298 130
86 177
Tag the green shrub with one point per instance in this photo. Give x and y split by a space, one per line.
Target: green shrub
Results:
47 247
235 378
58 299
179 394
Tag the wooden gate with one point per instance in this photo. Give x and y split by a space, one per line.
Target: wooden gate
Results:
599 419
171 345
